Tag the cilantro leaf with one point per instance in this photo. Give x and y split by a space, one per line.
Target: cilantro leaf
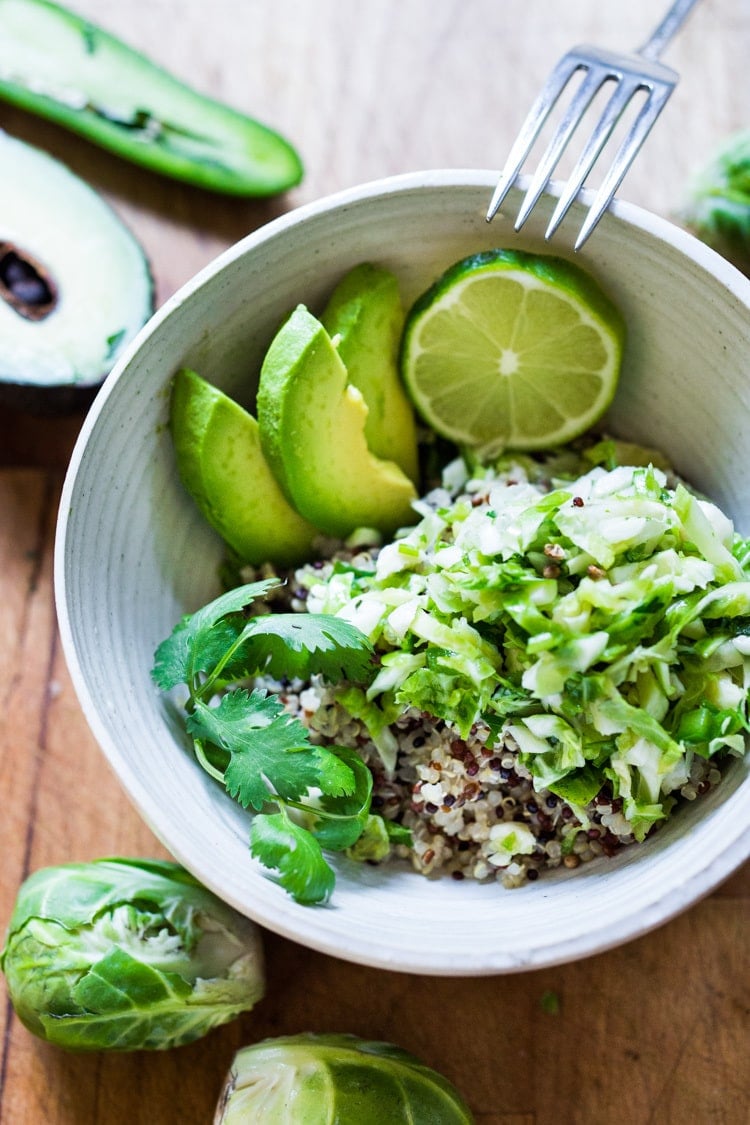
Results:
337 821
201 639
287 848
299 645
270 752
259 752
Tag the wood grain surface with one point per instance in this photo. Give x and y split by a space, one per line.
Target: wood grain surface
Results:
653 1032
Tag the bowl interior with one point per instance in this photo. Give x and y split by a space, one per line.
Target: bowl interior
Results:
133 555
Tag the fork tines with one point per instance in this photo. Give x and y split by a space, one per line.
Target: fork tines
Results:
630 74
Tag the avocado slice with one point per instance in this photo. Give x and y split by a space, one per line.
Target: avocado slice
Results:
75 286
58 65
221 464
365 319
312 427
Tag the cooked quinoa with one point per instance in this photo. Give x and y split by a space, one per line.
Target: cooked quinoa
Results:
464 789
469 803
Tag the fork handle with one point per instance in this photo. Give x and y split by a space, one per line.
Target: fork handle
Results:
671 23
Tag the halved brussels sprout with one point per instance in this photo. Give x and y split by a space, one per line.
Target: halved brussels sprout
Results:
122 954
717 208
316 1079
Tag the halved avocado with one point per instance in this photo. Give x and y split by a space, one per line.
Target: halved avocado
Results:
312 427
221 464
59 65
365 319
75 286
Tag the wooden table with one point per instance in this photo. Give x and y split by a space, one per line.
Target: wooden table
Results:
656 1031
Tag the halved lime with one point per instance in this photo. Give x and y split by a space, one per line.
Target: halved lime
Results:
512 350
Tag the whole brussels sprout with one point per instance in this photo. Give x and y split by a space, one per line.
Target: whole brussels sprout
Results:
717 208
124 954
316 1079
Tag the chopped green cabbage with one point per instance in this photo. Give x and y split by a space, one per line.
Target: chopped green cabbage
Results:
600 618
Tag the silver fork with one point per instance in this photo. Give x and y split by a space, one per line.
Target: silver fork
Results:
630 74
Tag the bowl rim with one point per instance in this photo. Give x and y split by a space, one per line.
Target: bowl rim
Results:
683 893
631 213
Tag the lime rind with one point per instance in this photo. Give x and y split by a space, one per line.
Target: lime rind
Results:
540 320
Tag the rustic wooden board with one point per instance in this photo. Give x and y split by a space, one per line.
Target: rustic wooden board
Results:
655 1031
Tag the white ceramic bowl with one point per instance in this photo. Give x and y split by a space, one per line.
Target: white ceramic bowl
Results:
133 555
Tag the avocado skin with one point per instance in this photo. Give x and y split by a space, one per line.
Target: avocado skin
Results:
312 426
57 218
366 315
221 464
57 400
147 117
46 402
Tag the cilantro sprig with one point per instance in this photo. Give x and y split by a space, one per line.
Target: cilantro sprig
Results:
305 798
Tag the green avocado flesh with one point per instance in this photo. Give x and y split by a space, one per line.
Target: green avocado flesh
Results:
60 66
365 318
75 285
312 425
221 464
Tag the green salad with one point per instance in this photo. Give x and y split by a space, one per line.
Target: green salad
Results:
534 674
598 618
527 666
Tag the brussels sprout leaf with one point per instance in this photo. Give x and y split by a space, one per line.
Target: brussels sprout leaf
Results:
100 989
126 1004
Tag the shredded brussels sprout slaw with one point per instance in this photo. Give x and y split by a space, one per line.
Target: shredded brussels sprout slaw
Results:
595 613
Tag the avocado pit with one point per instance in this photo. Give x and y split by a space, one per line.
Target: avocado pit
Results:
25 283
